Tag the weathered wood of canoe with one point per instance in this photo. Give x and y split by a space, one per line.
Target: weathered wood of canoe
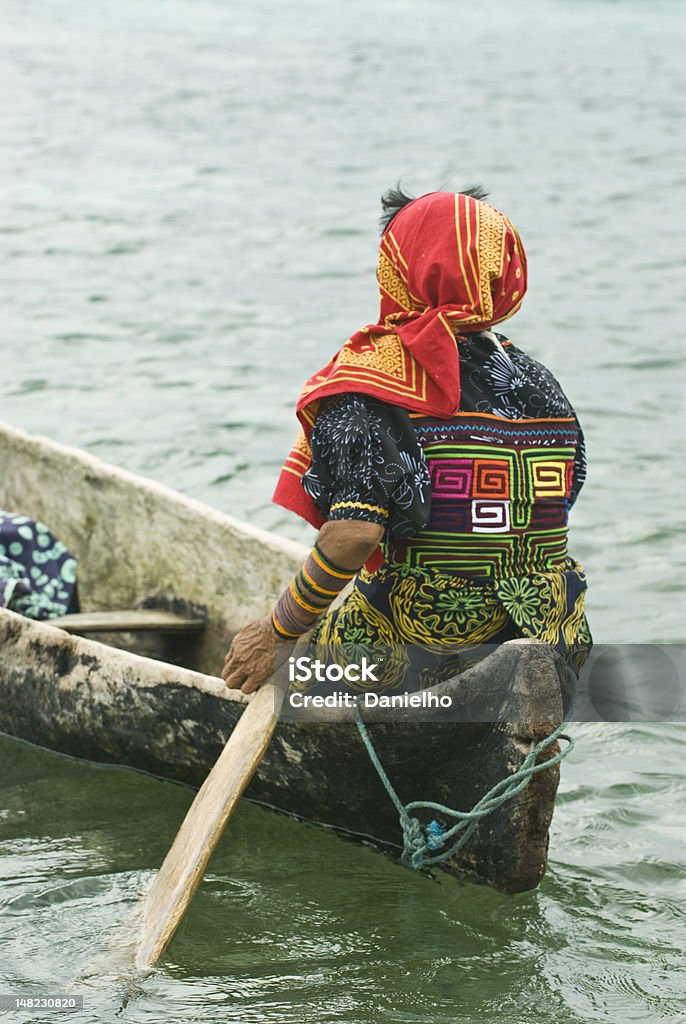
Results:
140 544
135 620
85 699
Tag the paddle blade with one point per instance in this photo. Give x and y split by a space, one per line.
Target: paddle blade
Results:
184 866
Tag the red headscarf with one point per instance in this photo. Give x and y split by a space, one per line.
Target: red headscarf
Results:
448 265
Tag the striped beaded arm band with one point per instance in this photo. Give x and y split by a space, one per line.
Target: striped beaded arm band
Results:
309 595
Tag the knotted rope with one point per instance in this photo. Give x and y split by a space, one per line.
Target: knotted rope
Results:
421 843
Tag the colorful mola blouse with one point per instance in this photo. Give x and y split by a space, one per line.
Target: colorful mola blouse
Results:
475 509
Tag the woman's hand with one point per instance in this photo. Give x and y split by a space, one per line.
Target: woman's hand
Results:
250 660
253 657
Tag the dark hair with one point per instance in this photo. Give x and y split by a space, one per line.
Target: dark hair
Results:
395 199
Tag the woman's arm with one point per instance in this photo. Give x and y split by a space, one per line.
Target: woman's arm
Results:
345 546
349 542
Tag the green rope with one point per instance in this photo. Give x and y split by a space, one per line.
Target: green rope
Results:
421 843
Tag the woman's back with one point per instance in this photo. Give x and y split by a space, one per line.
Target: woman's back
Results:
504 471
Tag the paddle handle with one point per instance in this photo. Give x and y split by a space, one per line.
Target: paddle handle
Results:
184 866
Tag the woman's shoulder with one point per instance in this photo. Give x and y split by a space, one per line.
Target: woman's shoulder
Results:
545 389
500 378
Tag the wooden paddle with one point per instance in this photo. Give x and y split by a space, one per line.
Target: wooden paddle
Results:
184 866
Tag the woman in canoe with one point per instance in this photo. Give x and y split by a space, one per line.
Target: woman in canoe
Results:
439 461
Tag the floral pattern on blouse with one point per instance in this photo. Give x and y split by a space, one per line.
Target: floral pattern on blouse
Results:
367 464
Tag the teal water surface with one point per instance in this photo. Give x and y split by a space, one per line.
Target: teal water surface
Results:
294 924
188 231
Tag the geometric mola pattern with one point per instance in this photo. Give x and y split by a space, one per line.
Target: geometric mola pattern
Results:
500 494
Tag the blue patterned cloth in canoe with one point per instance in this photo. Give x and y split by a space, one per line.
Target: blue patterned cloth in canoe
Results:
37 573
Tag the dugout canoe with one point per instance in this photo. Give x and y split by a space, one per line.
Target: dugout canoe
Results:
143 546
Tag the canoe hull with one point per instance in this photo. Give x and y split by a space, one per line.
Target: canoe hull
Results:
141 545
85 699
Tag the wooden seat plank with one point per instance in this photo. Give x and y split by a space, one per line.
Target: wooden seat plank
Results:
124 620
